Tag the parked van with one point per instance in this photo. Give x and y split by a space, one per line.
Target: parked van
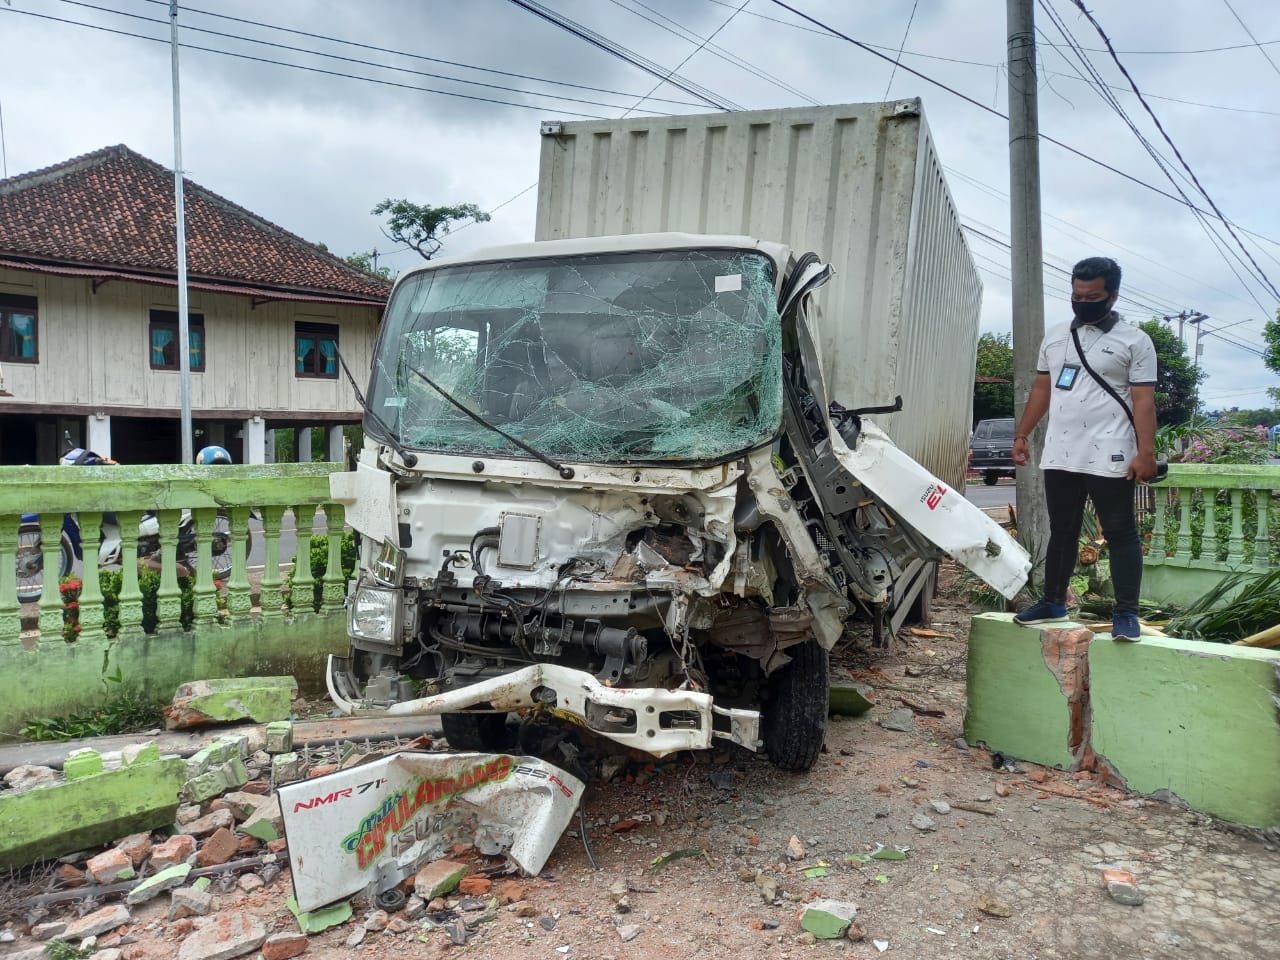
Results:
991 450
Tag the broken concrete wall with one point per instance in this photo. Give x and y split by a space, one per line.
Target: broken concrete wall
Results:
1196 720
53 678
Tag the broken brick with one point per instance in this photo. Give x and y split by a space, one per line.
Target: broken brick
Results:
218 849
438 878
100 921
1037 776
284 946
173 851
474 886
136 846
227 935
509 891
211 822
110 866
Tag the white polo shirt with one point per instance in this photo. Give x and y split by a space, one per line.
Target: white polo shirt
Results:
1087 431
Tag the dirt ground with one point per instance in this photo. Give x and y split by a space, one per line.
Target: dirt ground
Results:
1029 840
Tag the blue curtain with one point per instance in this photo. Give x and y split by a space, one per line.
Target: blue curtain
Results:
305 346
329 352
22 333
161 341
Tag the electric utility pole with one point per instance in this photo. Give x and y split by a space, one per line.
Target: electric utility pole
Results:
184 333
1027 258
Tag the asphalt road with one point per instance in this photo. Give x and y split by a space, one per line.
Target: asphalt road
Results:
980 495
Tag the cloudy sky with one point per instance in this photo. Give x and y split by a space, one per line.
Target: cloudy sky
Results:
314 150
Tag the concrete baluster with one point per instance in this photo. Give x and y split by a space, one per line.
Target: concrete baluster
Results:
9 606
1262 537
270 599
169 595
130 598
1183 552
303 580
238 590
1235 547
90 613
1209 539
1155 554
206 589
335 585
50 597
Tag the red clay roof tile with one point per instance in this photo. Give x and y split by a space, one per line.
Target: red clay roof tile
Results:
115 207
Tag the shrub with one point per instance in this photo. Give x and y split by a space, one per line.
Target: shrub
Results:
320 565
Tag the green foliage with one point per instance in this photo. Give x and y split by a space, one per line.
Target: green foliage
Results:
1271 350
1177 377
995 359
320 566
1239 605
424 227
62 950
125 713
149 585
364 261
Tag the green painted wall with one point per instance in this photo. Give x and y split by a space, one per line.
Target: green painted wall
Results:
1198 719
55 678
1015 703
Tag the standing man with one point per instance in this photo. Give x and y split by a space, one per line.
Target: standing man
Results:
1099 442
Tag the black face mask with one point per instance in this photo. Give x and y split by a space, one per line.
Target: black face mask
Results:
1090 312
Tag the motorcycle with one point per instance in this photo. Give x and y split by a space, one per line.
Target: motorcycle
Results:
30 553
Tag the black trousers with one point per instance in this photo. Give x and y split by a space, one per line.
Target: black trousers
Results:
1065 494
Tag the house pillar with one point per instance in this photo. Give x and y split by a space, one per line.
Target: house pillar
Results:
337 447
302 443
269 453
98 433
255 440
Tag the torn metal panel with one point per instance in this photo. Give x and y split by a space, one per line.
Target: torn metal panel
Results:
365 829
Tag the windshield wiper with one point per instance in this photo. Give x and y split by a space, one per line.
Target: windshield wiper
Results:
566 472
407 458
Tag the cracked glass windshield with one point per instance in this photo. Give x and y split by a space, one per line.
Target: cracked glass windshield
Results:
653 356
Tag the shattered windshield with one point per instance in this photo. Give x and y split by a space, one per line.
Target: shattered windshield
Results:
640 356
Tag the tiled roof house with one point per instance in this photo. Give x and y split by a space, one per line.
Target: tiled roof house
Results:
88 317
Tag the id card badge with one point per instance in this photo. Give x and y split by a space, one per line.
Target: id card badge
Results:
1067 376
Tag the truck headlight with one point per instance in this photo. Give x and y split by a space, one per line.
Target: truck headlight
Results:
387 565
374 614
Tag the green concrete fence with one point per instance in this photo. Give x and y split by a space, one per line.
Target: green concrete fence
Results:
1207 520
43 674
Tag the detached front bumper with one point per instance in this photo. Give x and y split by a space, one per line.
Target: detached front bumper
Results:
656 721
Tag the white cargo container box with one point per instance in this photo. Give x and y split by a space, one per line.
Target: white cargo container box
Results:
858 184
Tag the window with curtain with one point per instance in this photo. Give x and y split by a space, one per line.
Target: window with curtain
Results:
18 326
163 340
315 350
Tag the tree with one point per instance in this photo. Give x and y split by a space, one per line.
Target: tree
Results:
1271 353
364 261
424 227
995 359
1177 378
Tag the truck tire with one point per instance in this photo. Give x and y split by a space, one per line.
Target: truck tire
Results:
481 732
794 719
991 478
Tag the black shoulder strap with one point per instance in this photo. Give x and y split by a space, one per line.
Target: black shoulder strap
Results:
1075 336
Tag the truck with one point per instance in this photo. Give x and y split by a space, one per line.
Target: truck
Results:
617 481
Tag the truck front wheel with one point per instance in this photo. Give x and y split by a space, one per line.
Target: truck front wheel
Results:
479 732
795 715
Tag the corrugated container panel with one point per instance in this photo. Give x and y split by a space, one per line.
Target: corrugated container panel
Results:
858 184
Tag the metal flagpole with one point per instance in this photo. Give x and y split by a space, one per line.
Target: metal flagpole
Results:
184 333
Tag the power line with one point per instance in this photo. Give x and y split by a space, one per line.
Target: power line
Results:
996 113
402 53
622 53
334 56
1099 85
299 66
692 53
680 30
898 58
1169 140
1244 26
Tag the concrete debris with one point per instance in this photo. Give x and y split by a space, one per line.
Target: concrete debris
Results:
219 848
768 887
50 930
249 882
438 878
356 936
279 737
224 936
900 719
189 902
158 883
940 807
796 849
923 822
211 823
136 846
23 778
177 849
287 767
261 699
828 919
100 921
1122 888
629 931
